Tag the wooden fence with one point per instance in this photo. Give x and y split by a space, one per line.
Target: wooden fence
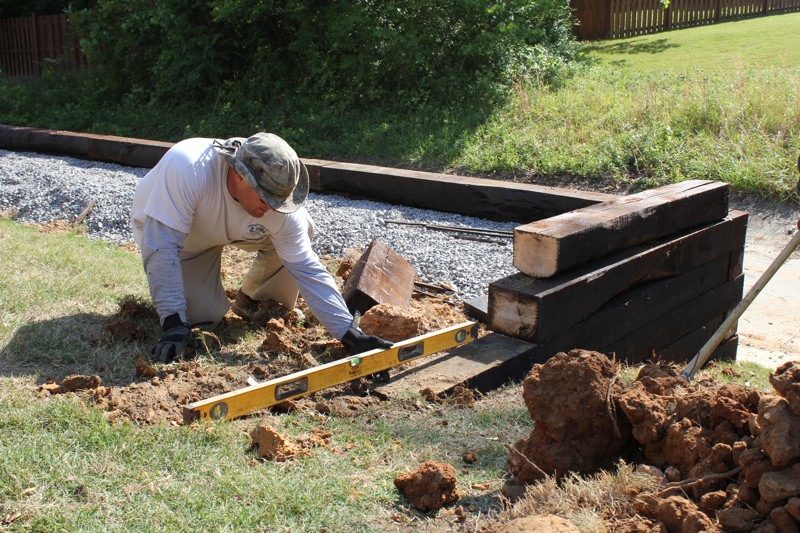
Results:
610 19
27 44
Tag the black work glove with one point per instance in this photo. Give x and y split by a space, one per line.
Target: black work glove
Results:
356 341
177 337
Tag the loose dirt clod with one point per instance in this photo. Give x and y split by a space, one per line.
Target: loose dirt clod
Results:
272 445
277 447
395 323
144 370
78 382
430 487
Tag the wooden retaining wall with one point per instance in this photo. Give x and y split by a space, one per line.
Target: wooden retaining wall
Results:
491 199
629 285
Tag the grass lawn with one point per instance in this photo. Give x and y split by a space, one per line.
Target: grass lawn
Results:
760 43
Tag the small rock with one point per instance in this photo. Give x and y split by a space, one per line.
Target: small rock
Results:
780 484
713 500
738 519
673 474
78 382
649 470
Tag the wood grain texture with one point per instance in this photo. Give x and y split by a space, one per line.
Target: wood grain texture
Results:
380 276
670 327
484 364
546 247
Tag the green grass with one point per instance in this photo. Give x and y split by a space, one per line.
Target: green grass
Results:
636 131
64 467
753 44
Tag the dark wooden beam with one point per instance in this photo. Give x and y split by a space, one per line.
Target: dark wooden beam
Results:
536 309
644 304
380 276
556 244
107 148
670 327
484 364
492 199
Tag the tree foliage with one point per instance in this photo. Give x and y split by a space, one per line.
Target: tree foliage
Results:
337 50
15 8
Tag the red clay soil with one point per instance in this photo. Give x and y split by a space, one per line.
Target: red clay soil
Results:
430 487
730 456
568 400
274 446
395 323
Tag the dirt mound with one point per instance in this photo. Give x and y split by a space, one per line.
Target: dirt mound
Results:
395 323
732 454
430 487
570 400
277 447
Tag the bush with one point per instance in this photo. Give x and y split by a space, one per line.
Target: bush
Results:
342 51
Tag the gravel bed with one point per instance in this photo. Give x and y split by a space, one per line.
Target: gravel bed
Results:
41 188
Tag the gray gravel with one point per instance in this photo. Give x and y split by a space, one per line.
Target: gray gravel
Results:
41 188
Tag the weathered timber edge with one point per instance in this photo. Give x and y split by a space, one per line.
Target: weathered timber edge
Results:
479 197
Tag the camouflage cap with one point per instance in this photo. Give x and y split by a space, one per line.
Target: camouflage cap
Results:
271 167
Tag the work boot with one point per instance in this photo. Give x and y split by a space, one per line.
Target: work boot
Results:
244 306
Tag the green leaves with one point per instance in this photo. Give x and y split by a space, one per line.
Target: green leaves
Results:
344 52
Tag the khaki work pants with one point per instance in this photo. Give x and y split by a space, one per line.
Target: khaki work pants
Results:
267 279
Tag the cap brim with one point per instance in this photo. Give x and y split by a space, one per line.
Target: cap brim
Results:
295 200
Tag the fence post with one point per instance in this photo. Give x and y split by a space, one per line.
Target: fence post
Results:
668 17
35 59
607 19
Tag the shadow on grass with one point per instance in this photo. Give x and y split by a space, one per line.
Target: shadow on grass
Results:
631 47
96 344
83 343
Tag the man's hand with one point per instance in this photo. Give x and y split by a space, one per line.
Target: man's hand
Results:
177 337
356 341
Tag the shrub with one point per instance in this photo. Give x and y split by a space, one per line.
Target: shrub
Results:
344 51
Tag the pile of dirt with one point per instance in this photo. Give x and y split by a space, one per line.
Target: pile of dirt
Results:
430 487
274 446
396 324
728 456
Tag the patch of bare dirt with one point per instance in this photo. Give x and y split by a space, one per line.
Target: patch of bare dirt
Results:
293 334
727 456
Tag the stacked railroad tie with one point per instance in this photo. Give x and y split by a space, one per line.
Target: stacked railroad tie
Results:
646 275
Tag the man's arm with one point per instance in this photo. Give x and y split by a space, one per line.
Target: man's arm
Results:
321 294
323 297
160 248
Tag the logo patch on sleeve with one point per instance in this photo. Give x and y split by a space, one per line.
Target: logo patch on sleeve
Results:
256 232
